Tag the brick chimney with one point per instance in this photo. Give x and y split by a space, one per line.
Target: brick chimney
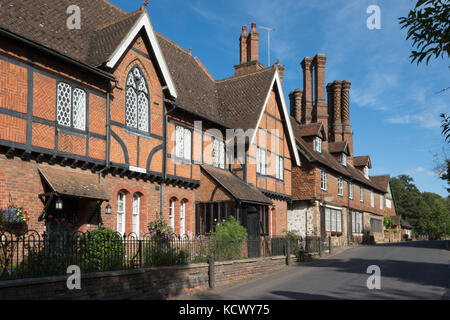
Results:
296 98
307 89
347 133
330 109
320 106
243 45
248 51
337 122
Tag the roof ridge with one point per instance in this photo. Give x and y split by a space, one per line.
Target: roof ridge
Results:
173 43
113 5
120 19
246 75
202 66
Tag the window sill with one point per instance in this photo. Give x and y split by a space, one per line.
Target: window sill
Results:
72 130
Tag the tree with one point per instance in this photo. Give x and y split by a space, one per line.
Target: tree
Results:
410 203
440 214
445 125
428 26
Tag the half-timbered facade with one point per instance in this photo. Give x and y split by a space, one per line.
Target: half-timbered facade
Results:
116 125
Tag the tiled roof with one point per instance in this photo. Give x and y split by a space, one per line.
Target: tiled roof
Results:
382 181
66 182
338 147
405 224
362 161
307 130
45 23
327 159
235 186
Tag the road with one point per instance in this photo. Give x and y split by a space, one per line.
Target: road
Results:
410 270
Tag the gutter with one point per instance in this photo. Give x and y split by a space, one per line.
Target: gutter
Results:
57 54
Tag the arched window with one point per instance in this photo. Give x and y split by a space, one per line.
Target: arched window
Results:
136 213
121 213
172 213
183 217
137 101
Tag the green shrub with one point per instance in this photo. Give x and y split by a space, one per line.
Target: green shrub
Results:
228 240
295 242
160 253
102 250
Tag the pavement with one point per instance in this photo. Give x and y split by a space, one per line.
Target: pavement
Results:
417 270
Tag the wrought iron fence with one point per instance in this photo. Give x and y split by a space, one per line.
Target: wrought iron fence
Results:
33 255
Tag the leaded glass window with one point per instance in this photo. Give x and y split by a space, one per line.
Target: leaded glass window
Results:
137 101
70 106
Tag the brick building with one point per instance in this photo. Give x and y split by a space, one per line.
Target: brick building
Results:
333 193
116 117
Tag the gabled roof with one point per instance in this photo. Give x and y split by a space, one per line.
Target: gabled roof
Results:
105 34
339 147
382 181
326 159
362 161
236 186
310 129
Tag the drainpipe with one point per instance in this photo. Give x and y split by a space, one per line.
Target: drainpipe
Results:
349 214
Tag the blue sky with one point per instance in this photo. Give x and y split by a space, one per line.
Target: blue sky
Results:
395 105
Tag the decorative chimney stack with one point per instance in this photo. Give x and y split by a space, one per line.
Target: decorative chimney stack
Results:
320 106
337 122
330 109
243 45
347 133
307 89
296 98
248 52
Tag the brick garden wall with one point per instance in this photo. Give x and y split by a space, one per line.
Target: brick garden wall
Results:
150 283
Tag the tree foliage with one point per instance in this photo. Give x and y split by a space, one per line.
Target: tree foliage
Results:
428 26
426 211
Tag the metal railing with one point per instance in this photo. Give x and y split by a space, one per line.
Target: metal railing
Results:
34 255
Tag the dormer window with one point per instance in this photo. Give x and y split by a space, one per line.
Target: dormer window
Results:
366 172
344 159
318 144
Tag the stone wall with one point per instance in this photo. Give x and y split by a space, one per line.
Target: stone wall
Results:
301 219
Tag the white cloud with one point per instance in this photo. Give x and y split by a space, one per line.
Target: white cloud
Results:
422 171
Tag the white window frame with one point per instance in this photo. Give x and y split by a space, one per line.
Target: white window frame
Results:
279 167
356 222
340 186
73 105
182 217
136 214
121 213
261 161
218 155
344 159
388 203
318 144
361 194
333 220
372 199
183 143
366 172
172 214
323 179
350 190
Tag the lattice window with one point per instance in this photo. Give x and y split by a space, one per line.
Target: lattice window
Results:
79 109
137 101
70 106
64 104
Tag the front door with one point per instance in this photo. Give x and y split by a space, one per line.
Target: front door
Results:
253 243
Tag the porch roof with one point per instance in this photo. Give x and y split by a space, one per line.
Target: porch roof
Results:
235 186
74 184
